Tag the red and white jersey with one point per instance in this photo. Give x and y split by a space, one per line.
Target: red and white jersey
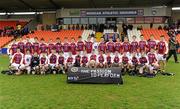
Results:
134 46
151 44
66 47
110 46
116 59
134 60
70 60
152 58
61 60
142 46
101 58
89 46
84 59
125 59
28 46
43 60
21 45
72 47
93 57
58 47
43 48
143 60
50 47
52 59
126 47
27 59
118 47
17 58
109 58
13 49
102 46
162 47
36 47
80 46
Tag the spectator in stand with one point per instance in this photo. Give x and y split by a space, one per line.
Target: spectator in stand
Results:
124 26
160 27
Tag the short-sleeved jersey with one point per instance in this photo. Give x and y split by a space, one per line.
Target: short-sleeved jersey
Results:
118 47
21 46
58 47
102 46
151 44
43 60
116 59
27 59
93 57
125 59
36 47
28 46
43 48
50 47
143 60
61 60
52 59
161 47
101 59
88 47
80 46
134 46
66 47
14 48
151 58
17 58
84 60
126 46
134 60
70 59
142 46
73 48
110 46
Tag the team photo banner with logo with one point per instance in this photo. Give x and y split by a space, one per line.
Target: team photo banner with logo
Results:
94 75
104 13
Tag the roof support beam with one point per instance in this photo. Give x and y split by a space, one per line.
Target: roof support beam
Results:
54 4
26 4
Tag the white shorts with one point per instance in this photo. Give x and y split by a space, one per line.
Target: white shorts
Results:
66 55
25 67
16 66
152 67
161 57
52 65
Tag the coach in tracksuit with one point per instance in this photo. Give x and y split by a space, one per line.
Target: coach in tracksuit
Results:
172 49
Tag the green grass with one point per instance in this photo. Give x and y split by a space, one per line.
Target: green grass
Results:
52 92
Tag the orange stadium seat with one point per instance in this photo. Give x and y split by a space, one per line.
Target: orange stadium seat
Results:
157 33
53 35
5 40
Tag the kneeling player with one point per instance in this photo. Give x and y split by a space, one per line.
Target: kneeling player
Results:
143 63
116 60
77 62
61 65
69 62
27 62
92 62
101 61
16 62
153 63
84 61
125 63
43 63
108 60
52 62
133 64
35 64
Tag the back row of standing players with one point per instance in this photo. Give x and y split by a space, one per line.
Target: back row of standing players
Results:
88 53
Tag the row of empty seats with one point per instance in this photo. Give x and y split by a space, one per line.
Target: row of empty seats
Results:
11 23
53 35
133 32
157 33
5 40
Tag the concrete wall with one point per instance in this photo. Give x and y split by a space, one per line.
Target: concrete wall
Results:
176 15
48 18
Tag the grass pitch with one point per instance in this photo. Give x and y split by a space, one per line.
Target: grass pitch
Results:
52 92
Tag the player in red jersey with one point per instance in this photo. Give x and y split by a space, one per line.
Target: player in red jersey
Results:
13 48
116 60
36 45
108 59
28 45
110 46
73 46
134 45
101 60
118 46
77 62
61 64
66 47
27 61
88 45
69 61
43 47
50 46
92 60
53 61
134 61
162 50
16 62
58 45
126 45
142 44
80 45
21 46
143 63
43 63
102 45
153 62
125 63
151 43
84 60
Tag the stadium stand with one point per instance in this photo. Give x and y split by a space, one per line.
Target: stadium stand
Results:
157 33
86 33
53 35
135 32
5 40
11 23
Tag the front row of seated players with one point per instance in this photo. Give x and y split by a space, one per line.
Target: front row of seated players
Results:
54 63
133 57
